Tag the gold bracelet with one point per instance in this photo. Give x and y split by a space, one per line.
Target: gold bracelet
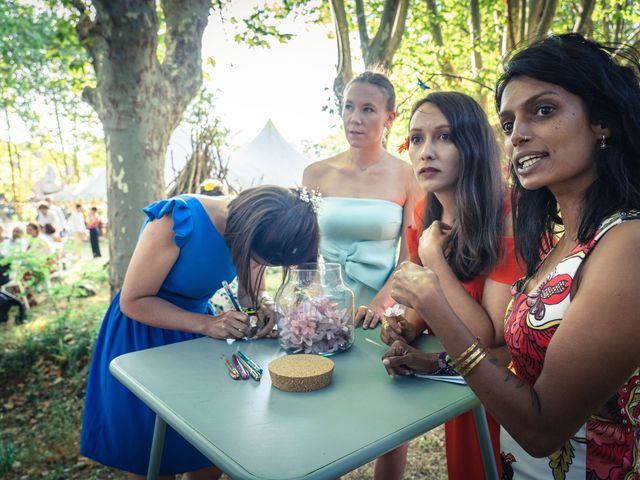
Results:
474 363
461 357
465 363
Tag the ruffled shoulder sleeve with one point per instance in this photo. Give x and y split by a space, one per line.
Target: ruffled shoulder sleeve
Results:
181 214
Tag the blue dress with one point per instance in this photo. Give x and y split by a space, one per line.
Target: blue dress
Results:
117 428
361 234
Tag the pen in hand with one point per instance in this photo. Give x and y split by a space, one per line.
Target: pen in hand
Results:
232 297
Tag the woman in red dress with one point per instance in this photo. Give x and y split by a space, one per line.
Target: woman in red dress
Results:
467 240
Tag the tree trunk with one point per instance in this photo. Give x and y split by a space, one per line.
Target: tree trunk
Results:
139 101
344 69
474 17
11 163
438 38
583 23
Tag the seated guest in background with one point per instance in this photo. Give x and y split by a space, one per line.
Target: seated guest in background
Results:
569 401
35 242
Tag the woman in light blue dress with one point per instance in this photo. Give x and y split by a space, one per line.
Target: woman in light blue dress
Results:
368 197
189 245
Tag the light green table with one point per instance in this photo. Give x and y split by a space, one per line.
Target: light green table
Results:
253 431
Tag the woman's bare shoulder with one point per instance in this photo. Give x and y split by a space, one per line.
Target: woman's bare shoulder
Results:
316 171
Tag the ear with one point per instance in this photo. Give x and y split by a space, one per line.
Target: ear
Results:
599 130
391 116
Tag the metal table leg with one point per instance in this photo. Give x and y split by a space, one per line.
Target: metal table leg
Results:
156 448
484 439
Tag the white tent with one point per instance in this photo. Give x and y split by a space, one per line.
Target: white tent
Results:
267 159
92 188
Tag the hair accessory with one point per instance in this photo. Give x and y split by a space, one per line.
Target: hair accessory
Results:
603 143
312 197
404 145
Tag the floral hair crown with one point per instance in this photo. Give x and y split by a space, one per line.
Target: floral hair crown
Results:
312 197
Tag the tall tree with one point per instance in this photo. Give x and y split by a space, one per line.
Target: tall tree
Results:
140 99
377 50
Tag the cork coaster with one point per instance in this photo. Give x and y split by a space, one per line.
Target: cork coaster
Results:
300 373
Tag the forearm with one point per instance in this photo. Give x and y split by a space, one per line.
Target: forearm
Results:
537 427
159 313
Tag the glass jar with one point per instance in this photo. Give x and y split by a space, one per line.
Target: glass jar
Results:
315 310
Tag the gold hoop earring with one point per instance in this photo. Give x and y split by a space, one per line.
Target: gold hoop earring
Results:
603 143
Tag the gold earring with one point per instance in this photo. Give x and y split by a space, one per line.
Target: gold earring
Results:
603 143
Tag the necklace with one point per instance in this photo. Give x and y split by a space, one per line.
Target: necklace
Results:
366 167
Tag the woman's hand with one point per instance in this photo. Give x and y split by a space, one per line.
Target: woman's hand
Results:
397 328
415 286
369 316
434 242
230 324
403 359
267 318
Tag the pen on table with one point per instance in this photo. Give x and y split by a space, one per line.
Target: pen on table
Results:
232 297
250 362
233 373
374 342
254 374
239 367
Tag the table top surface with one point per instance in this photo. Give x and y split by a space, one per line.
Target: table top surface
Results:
252 430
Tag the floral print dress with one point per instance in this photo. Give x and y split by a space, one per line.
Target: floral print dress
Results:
607 446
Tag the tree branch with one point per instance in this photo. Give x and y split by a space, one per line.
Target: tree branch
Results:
398 27
548 13
344 69
476 57
362 25
185 21
512 18
437 35
583 24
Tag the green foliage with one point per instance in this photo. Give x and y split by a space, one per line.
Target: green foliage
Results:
7 456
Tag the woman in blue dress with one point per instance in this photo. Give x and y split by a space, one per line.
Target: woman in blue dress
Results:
368 197
189 245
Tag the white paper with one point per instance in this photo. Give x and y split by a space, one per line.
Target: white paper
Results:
443 378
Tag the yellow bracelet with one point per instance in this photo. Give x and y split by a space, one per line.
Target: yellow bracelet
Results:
465 363
462 356
474 363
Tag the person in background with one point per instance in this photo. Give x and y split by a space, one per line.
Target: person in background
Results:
189 245
213 188
93 225
569 401
60 222
368 197
77 228
462 231
17 242
35 241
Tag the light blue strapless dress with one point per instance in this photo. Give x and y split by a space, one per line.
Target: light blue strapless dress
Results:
361 234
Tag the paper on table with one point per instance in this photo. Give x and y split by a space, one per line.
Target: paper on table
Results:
443 378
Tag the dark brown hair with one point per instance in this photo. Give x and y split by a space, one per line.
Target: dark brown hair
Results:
273 226
476 236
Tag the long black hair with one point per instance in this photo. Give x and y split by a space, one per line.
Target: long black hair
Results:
475 238
610 94
270 224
